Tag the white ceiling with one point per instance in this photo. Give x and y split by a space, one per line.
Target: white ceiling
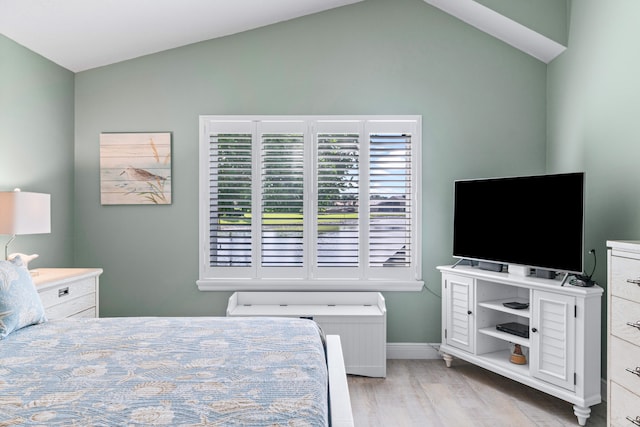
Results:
84 34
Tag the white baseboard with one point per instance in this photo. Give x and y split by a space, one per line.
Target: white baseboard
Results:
410 350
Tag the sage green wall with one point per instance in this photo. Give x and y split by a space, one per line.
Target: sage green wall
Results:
593 116
36 145
484 114
594 93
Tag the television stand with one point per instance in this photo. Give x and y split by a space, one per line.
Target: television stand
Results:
562 351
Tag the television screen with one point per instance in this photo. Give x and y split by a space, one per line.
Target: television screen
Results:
534 221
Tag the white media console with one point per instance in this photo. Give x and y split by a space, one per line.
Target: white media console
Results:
563 347
360 318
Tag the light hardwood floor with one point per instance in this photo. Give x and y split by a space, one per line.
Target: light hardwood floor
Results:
425 393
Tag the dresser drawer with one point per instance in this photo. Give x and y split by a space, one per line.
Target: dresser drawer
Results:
625 278
623 404
627 357
622 313
68 291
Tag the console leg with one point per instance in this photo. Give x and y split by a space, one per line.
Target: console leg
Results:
582 413
447 359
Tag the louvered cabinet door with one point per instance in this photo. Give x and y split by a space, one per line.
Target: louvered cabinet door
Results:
459 331
552 338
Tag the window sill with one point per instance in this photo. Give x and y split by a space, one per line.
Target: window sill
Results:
309 285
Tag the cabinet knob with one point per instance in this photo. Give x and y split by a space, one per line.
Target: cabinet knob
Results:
534 329
469 312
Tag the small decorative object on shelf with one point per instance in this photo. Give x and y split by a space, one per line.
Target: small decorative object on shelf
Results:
25 258
517 356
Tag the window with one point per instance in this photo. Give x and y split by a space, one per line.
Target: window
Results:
310 203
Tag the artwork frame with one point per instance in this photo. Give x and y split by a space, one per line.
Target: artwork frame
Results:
135 168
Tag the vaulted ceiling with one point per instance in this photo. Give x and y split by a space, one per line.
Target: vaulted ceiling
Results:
84 34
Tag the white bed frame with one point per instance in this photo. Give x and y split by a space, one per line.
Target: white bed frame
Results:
340 414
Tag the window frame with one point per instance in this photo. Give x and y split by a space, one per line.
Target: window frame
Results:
213 278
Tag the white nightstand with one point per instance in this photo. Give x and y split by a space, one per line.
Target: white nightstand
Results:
68 292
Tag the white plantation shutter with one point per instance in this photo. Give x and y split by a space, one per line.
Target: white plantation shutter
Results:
231 200
393 200
230 195
390 204
338 195
310 203
282 191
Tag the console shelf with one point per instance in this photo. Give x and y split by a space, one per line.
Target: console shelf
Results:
563 349
493 332
498 306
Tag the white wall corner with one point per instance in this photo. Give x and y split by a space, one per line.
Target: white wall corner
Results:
502 28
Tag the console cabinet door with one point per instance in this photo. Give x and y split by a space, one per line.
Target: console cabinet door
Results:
552 338
459 329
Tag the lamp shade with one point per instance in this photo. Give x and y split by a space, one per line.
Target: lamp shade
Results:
24 213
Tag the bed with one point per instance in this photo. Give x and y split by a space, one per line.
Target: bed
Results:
191 371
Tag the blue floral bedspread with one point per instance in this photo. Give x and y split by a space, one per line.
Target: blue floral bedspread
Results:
198 371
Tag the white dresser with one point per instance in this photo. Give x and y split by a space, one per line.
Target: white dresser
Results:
68 292
623 354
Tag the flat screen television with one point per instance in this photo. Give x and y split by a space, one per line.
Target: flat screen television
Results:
532 221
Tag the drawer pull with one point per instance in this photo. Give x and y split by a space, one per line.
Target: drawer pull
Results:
634 324
634 281
63 292
634 371
635 420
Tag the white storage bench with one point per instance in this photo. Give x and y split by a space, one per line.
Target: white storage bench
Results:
360 318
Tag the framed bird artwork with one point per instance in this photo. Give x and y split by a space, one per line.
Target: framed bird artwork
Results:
135 168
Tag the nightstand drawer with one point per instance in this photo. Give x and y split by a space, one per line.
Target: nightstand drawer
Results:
627 357
90 312
68 291
624 312
625 278
71 307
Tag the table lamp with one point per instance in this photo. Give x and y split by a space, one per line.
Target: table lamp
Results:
22 212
